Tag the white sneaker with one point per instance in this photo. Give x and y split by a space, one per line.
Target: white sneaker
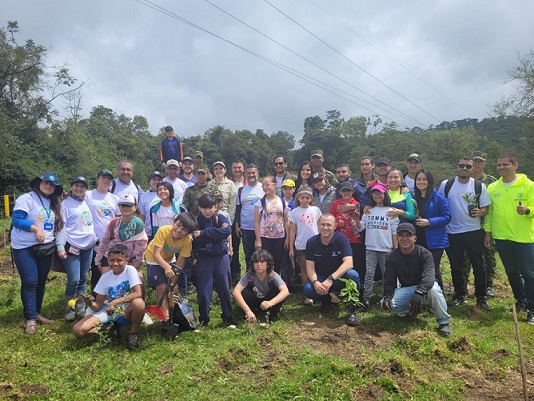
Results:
335 299
308 301
147 320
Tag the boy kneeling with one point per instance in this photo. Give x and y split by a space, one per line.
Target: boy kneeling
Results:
119 299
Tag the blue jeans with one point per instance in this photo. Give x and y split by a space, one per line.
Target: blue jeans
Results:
77 268
249 238
372 258
434 299
33 273
309 290
518 261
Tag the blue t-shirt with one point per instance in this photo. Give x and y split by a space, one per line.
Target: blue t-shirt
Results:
329 257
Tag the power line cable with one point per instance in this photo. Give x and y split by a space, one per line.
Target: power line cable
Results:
435 89
350 61
400 113
162 10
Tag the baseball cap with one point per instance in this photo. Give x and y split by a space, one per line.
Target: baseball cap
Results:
345 185
317 152
155 174
477 155
127 199
217 194
406 227
202 169
79 179
316 177
379 187
168 128
103 173
383 160
188 159
288 183
199 153
414 156
172 162
219 162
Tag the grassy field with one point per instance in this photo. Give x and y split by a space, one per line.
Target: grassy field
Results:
304 356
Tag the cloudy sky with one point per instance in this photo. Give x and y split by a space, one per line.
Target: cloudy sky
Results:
413 62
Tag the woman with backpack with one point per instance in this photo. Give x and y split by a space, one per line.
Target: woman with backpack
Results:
36 219
271 222
261 289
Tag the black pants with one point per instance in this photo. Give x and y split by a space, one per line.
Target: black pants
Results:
472 243
436 256
254 302
275 246
235 264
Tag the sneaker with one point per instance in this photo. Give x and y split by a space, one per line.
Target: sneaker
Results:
530 318
147 320
31 326
274 317
334 298
43 320
308 301
457 301
326 307
483 304
133 341
352 320
520 306
445 330
229 324
364 306
490 293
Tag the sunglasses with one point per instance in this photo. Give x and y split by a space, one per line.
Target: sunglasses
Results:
466 166
279 163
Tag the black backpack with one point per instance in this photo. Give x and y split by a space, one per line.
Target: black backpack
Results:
478 188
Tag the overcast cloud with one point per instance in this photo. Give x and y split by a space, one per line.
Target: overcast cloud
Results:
450 58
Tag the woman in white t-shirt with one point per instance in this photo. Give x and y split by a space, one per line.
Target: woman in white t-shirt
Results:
75 244
36 218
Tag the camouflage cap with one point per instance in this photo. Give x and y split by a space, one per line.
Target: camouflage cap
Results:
317 152
477 155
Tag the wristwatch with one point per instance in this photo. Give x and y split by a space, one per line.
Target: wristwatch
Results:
331 278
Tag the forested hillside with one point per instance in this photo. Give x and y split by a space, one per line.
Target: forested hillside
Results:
34 139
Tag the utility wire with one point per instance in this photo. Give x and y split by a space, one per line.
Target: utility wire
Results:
399 113
321 68
382 52
162 10
349 60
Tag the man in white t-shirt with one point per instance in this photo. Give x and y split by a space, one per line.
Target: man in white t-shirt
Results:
123 184
469 201
173 171
413 165
247 197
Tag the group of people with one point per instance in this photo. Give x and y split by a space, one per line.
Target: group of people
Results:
331 225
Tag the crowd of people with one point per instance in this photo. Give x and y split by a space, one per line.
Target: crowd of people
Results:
303 232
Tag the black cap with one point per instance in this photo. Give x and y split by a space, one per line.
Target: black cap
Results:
155 174
383 160
345 185
168 128
103 173
79 179
406 227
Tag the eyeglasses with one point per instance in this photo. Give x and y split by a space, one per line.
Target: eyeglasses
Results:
466 166
267 185
279 164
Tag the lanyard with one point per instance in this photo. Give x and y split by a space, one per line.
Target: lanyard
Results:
48 211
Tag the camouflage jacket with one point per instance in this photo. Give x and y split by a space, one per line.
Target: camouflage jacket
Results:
192 194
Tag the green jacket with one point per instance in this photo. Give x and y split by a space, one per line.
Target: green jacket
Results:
192 194
502 219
